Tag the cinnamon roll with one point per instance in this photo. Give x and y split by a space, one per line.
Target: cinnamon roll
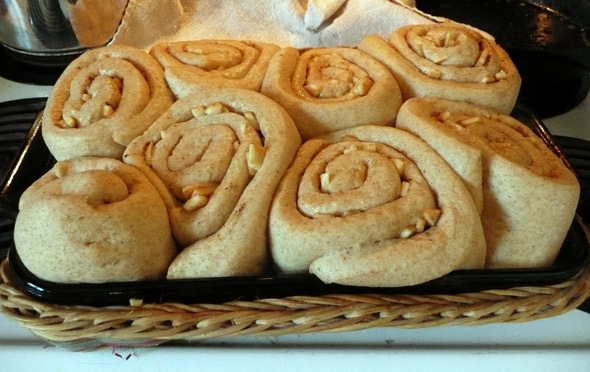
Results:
448 60
528 195
93 220
216 157
103 100
327 89
193 65
373 206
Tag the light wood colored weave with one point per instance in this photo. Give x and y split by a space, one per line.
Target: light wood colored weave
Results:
152 324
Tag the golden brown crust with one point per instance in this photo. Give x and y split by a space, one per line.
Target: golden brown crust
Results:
93 220
193 65
529 195
361 207
450 61
103 100
216 157
327 89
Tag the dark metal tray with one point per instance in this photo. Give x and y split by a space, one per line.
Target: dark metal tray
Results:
34 159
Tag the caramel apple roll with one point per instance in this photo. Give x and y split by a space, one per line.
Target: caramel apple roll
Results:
216 157
373 206
102 101
448 60
193 65
327 89
529 197
93 220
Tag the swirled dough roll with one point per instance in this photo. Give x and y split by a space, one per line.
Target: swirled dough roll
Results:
193 65
373 206
93 220
450 61
529 196
216 157
103 100
327 89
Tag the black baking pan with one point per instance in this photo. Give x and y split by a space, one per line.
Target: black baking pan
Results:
570 261
15 121
34 160
32 69
548 41
577 150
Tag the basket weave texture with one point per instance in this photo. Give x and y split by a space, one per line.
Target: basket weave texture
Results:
152 323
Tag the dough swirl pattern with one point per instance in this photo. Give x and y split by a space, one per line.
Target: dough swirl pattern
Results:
528 196
448 61
216 157
93 220
327 89
102 101
193 65
373 206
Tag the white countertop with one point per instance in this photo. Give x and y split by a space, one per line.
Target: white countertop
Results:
560 343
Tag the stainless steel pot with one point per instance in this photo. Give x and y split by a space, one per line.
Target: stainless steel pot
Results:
58 27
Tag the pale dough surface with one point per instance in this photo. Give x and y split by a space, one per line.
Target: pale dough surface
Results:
529 196
103 100
448 60
193 65
328 89
347 227
93 220
187 149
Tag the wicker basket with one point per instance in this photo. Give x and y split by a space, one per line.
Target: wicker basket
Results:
152 324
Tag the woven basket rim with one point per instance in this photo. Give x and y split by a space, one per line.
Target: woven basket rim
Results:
144 324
